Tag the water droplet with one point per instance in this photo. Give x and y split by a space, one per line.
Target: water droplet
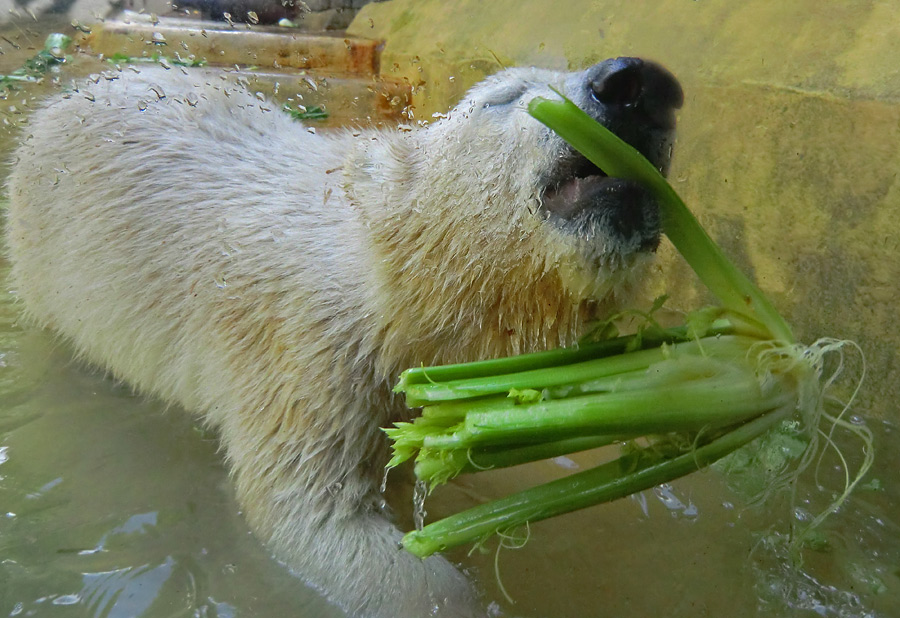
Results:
565 462
419 513
158 38
802 514
666 494
80 27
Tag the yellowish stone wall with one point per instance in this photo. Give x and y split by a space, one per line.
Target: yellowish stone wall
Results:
788 141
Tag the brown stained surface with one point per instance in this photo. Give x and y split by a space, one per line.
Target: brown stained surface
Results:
363 56
336 71
218 44
349 99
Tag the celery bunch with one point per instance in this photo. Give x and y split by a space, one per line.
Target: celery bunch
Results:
681 398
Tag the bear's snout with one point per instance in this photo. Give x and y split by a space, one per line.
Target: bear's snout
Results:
632 84
637 100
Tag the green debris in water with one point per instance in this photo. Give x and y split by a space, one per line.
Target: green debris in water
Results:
52 55
156 58
873 485
314 112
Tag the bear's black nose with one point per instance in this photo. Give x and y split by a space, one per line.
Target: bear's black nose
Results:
636 84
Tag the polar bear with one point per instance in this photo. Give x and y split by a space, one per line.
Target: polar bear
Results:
276 280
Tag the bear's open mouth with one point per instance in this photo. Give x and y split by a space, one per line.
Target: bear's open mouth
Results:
582 199
565 195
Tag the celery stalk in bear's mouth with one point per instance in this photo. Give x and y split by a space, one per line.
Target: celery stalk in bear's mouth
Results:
679 398
605 150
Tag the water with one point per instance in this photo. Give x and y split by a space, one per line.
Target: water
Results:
112 505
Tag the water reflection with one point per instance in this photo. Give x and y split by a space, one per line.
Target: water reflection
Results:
137 523
125 592
668 497
134 591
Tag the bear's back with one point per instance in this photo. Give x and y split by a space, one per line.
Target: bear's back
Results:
161 222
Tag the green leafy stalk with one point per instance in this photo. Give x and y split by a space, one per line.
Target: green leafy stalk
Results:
627 475
685 407
556 357
618 159
437 466
544 377
679 387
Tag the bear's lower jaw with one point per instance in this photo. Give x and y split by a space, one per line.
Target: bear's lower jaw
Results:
619 215
570 197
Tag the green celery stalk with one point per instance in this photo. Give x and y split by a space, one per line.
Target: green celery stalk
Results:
617 479
437 466
548 358
618 159
544 377
691 406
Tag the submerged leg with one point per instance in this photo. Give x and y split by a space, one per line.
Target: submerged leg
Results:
317 504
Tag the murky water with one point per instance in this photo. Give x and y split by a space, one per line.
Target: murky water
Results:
112 505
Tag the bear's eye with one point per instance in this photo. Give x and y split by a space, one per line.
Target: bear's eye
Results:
504 95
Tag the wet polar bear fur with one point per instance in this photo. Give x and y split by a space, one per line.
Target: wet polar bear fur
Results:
217 254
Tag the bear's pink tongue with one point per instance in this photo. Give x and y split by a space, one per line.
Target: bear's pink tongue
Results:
573 195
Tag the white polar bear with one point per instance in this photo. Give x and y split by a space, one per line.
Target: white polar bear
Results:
217 254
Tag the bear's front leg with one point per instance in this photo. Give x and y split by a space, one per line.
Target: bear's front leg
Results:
317 505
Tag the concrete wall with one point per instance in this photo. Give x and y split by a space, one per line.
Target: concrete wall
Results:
788 141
